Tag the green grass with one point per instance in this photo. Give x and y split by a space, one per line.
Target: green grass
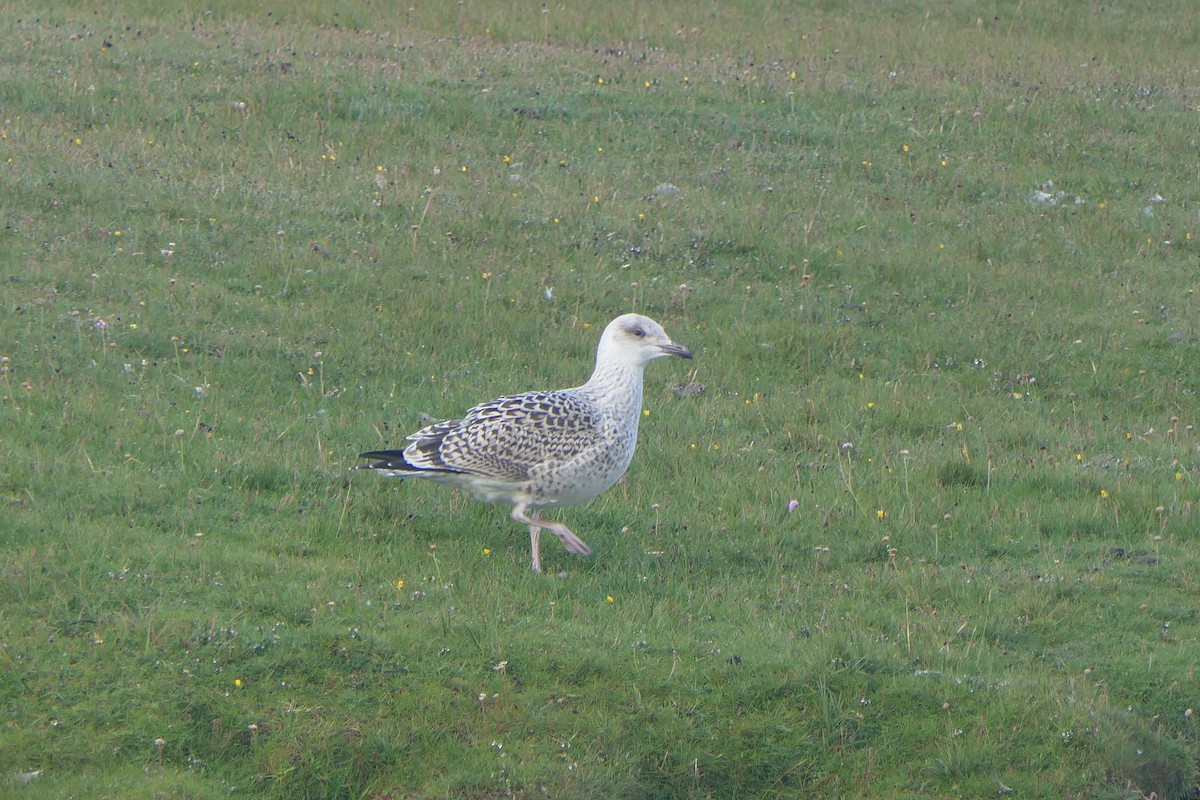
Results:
241 245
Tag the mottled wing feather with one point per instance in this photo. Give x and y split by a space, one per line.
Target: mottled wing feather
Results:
425 451
507 437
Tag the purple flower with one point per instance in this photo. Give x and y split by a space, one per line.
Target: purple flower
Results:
101 324
793 505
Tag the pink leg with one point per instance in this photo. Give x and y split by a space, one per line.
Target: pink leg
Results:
572 542
535 547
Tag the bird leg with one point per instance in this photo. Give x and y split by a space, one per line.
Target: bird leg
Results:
572 542
535 534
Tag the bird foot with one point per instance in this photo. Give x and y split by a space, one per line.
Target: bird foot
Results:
572 542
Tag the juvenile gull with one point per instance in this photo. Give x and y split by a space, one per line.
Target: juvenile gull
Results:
544 449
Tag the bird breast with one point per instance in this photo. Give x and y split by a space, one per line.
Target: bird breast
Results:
592 471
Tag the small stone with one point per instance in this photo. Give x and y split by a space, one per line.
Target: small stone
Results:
689 389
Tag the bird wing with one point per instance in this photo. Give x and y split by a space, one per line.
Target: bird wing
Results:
509 436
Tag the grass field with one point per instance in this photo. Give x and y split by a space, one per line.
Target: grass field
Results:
938 264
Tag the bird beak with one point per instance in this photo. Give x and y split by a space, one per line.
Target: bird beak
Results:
675 349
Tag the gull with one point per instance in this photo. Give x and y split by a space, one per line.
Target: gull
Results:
544 449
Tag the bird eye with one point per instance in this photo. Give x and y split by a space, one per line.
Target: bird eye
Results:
638 332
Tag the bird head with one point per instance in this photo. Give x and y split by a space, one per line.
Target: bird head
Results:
638 340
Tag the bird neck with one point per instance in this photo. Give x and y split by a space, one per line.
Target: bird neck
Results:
616 388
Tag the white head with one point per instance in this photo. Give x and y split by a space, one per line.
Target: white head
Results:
636 341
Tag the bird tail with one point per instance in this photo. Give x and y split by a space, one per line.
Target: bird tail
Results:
395 464
392 462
